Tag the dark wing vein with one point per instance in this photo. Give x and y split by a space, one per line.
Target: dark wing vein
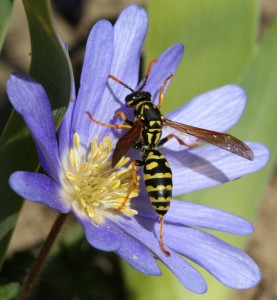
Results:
221 140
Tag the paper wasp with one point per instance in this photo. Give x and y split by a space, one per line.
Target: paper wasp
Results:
145 135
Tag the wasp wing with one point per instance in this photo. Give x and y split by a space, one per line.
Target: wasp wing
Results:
126 142
221 140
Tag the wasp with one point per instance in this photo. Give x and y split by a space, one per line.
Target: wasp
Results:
145 135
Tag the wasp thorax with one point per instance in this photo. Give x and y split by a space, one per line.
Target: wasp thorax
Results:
137 97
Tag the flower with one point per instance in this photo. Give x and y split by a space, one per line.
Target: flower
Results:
79 177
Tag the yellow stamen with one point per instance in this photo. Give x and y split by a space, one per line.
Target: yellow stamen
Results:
76 140
71 176
94 185
73 159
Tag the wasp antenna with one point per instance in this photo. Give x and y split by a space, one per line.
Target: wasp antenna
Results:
147 73
120 82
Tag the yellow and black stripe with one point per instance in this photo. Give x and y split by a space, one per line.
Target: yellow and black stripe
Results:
158 180
152 119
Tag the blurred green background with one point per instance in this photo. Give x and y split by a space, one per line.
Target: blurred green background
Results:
229 41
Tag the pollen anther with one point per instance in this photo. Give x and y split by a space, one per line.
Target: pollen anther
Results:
95 187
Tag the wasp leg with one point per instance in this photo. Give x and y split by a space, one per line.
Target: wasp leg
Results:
135 165
161 236
147 73
181 142
116 126
161 96
121 115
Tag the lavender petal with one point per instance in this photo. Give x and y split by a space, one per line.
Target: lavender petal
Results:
137 255
96 68
208 166
128 41
231 266
30 100
100 236
218 109
186 274
167 63
39 188
196 215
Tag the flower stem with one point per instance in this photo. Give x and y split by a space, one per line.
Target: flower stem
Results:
41 258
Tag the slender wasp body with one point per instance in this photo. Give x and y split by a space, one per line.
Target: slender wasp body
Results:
145 135
158 182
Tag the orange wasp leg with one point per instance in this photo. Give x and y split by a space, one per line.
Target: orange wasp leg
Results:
161 95
116 126
161 236
180 141
121 115
147 73
133 185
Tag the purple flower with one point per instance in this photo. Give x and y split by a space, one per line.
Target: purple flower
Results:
80 178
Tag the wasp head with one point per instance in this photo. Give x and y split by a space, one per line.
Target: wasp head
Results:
136 97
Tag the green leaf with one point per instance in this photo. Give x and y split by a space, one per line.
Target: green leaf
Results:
50 64
9 291
218 36
5 13
51 67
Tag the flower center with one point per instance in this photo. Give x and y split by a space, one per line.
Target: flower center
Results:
93 185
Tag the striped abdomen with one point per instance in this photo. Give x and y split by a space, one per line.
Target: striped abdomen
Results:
158 181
